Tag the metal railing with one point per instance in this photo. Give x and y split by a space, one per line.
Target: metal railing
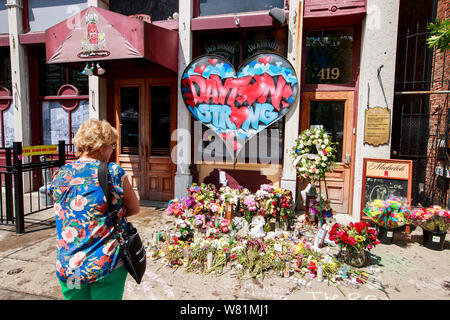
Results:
25 182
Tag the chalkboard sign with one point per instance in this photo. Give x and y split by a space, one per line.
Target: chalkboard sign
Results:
380 188
385 177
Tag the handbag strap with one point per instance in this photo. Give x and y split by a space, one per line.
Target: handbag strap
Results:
103 180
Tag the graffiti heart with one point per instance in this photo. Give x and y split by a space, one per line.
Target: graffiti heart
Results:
238 105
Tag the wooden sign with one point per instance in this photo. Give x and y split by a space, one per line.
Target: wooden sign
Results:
377 126
385 177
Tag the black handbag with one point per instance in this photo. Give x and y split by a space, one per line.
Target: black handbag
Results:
132 250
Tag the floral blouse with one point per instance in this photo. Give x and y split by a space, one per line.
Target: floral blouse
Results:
87 245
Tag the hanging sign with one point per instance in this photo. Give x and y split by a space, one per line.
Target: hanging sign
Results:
377 126
238 105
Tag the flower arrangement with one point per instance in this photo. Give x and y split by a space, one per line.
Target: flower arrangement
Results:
285 256
431 219
354 237
176 206
317 205
390 213
314 154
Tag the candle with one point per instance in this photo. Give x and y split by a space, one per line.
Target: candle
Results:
287 267
319 271
209 259
316 242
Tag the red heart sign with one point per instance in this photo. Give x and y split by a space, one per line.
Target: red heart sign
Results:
239 105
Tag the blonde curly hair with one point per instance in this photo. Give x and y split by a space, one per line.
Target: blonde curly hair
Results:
94 134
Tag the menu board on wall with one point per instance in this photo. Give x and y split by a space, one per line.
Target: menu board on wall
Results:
385 177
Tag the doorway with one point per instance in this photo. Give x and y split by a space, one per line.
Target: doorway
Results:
145 117
333 111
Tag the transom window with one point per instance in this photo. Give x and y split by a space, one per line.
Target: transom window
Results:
329 56
210 7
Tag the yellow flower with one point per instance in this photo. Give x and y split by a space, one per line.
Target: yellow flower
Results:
327 149
359 238
171 248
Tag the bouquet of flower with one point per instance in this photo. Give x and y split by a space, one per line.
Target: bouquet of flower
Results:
176 207
431 219
214 208
285 205
249 207
230 195
391 213
354 237
184 229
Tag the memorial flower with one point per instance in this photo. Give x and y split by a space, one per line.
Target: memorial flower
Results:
431 219
354 237
390 213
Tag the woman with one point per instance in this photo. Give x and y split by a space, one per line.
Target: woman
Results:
88 264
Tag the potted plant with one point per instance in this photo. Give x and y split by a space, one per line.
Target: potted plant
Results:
435 222
387 215
354 239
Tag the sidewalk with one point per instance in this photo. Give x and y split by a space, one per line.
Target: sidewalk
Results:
406 269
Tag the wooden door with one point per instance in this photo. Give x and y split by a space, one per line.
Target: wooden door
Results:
144 148
334 112
162 95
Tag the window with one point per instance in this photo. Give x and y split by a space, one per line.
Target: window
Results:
228 44
236 47
53 76
329 56
8 121
5 68
56 121
210 7
157 10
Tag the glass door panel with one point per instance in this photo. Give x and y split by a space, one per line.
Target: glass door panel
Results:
160 119
129 120
329 115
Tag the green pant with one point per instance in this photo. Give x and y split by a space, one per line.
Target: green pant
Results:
109 288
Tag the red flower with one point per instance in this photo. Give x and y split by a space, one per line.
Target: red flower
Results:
312 266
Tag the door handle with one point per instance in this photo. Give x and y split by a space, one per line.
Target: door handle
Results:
347 158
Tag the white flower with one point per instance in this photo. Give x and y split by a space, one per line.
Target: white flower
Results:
324 158
326 141
76 261
69 234
78 203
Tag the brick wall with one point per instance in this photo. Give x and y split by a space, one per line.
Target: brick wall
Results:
439 105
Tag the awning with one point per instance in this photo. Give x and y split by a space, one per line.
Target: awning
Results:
96 34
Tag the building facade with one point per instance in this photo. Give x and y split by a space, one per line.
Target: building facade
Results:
343 52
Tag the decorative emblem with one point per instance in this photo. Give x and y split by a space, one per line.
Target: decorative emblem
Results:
94 42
